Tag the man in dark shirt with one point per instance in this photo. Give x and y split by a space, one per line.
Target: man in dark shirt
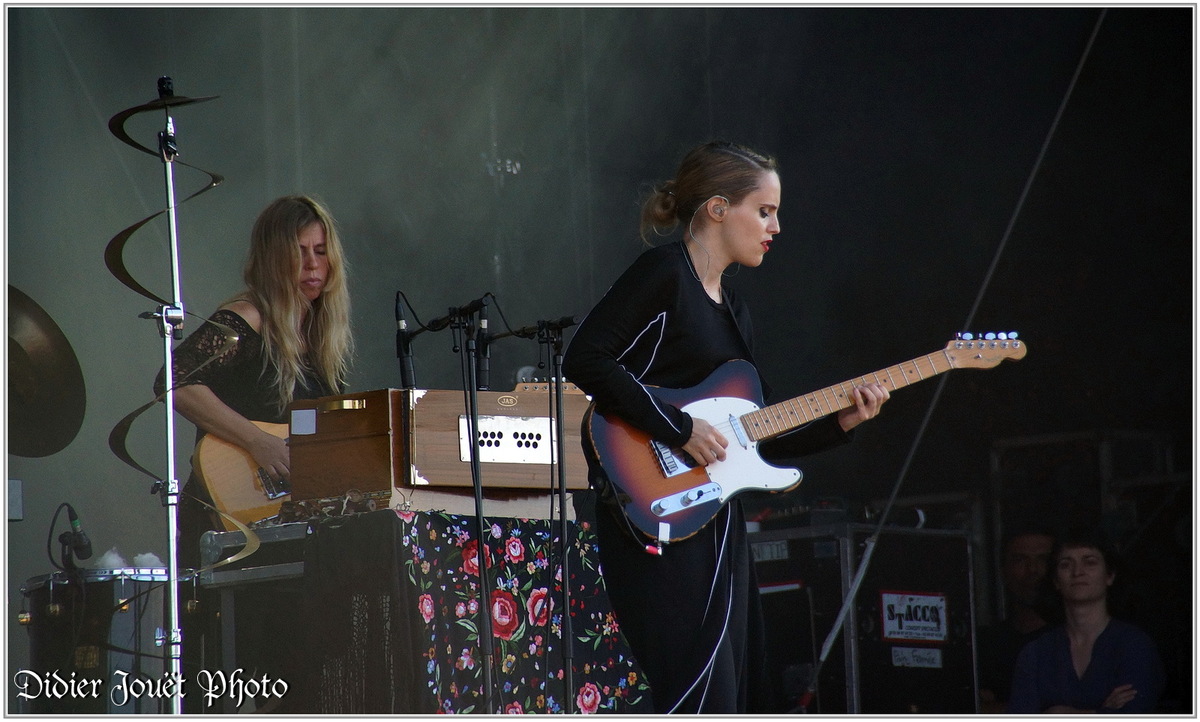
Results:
1025 559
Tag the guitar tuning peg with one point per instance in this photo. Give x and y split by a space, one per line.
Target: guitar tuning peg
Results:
1012 335
989 337
966 336
1002 336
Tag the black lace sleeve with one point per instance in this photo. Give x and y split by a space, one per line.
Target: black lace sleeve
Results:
192 363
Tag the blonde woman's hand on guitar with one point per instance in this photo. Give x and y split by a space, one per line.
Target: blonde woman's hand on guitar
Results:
272 455
868 400
201 406
706 444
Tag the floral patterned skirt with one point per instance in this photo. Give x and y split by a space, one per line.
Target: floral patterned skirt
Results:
399 612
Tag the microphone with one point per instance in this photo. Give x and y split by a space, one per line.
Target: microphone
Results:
484 370
557 324
79 539
438 324
404 346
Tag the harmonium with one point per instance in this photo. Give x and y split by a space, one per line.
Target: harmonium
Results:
417 438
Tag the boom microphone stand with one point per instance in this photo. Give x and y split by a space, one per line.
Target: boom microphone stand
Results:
462 318
551 334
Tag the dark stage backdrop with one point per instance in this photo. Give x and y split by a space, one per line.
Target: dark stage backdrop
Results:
504 150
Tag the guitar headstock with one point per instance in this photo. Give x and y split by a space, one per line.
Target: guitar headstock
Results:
986 350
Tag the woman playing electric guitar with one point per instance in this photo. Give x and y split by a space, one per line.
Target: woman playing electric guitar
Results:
691 610
292 323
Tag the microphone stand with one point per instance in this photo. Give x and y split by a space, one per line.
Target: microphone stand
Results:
553 336
404 346
170 328
67 552
469 361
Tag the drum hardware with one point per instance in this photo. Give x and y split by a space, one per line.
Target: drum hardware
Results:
24 618
95 624
53 608
122 598
193 605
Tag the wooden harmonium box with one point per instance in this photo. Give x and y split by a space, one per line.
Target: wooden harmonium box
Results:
354 441
419 438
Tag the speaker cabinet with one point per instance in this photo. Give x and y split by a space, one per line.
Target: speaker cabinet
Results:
907 643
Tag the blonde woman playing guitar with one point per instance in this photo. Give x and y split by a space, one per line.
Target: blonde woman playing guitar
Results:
291 340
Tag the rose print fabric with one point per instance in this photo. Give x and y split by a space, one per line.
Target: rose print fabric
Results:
428 613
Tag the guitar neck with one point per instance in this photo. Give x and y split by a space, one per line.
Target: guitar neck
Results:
776 419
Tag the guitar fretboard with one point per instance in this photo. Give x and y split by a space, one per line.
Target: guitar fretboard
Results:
771 421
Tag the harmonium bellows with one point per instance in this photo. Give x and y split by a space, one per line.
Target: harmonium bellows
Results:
376 440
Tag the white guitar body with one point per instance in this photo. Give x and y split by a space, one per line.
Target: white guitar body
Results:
741 470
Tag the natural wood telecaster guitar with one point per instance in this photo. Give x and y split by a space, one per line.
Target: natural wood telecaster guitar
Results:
668 497
238 486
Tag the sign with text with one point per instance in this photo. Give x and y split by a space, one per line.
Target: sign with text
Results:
913 617
929 658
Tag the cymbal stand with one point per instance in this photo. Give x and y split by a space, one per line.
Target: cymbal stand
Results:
171 328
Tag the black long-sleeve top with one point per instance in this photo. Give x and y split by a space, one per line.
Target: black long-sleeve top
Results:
235 374
656 326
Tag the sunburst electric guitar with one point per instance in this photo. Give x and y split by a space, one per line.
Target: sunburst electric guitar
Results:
668 497
238 486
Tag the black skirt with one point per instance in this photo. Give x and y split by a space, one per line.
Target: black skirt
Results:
692 616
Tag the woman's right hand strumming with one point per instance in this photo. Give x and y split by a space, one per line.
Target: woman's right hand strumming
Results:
201 406
272 455
706 444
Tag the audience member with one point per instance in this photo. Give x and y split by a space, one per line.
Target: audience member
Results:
1024 560
1092 663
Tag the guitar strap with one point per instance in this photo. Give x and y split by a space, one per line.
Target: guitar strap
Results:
747 342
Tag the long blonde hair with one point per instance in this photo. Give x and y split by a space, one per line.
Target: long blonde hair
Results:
324 344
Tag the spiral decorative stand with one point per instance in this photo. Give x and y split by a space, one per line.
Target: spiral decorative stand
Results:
170 317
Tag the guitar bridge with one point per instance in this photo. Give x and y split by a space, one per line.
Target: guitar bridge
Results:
672 462
273 489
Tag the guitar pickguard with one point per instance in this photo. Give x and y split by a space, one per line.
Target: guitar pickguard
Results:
741 470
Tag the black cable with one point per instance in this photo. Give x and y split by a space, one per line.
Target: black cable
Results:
874 537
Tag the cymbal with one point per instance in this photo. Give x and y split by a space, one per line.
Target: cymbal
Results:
116 124
46 398
166 101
